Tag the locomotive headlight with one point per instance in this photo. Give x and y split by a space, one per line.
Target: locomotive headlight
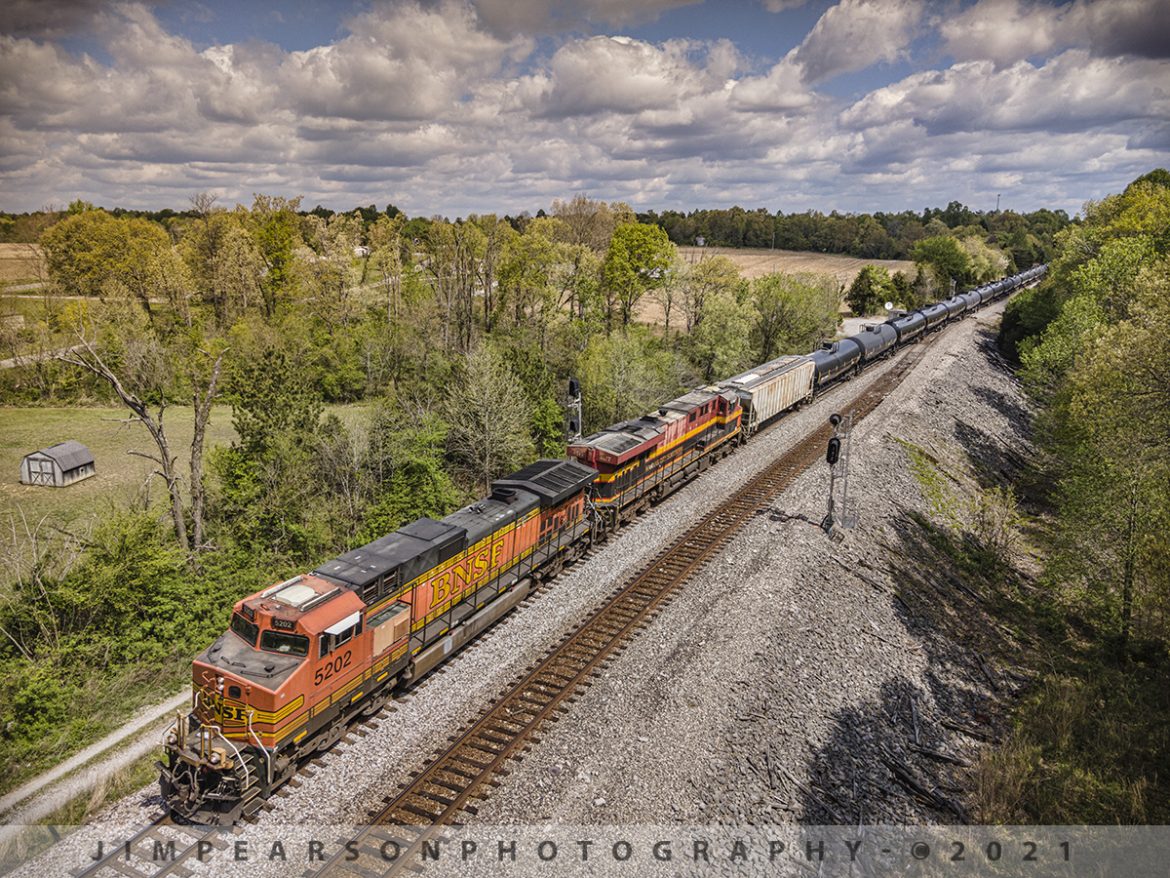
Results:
214 760
219 683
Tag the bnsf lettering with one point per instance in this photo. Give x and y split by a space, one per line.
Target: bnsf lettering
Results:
234 712
466 573
332 667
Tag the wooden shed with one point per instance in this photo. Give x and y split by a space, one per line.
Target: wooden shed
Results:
58 465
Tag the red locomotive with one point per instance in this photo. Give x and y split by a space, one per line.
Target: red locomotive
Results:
641 461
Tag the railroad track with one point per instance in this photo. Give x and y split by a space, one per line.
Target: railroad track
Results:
161 849
472 765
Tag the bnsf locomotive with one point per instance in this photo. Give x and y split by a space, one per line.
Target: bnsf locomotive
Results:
304 658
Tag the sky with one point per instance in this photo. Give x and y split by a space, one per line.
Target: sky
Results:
451 107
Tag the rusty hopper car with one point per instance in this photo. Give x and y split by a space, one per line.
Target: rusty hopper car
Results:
643 460
772 388
305 656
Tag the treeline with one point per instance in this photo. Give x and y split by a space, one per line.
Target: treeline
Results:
1027 238
1093 341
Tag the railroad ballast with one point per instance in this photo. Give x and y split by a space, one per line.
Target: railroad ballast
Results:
304 658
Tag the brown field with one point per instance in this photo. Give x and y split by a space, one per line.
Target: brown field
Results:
20 262
756 263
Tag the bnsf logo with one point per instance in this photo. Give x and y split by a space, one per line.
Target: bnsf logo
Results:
234 713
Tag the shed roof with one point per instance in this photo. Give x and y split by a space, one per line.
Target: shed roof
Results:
69 454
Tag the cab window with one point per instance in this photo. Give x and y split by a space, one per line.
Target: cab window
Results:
282 642
330 642
244 628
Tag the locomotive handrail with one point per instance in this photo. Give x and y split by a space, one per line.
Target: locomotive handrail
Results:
260 746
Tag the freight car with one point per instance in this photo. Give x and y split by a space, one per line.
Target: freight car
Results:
768 390
309 655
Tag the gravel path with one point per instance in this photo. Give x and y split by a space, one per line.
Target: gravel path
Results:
775 650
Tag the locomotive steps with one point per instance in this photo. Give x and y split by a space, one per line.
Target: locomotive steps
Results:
766 646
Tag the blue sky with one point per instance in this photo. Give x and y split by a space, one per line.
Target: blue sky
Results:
457 106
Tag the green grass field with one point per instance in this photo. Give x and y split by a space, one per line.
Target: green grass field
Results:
123 480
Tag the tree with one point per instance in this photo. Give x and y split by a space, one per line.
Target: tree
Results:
720 345
489 418
626 374
945 259
145 370
703 282
385 239
637 260
987 262
269 481
590 223
224 264
869 291
92 253
793 313
276 230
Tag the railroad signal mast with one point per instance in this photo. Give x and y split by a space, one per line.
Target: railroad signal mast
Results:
575 410
839 515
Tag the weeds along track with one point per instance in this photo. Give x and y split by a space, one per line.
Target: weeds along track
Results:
450 784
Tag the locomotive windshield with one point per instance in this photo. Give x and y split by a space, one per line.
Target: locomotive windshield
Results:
245 629
286 644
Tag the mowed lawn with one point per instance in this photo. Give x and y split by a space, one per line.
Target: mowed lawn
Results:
123 479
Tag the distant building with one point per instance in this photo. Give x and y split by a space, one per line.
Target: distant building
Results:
58 465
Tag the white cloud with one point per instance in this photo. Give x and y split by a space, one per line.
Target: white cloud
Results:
435 107
1006 31
782 89
1073 91
856 34
623 75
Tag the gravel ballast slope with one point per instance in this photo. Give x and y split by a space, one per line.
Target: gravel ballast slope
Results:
779 687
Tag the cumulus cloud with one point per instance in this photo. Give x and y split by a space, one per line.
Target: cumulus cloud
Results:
623 75
1073 91
782 89
856 34
1006 31
450 106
